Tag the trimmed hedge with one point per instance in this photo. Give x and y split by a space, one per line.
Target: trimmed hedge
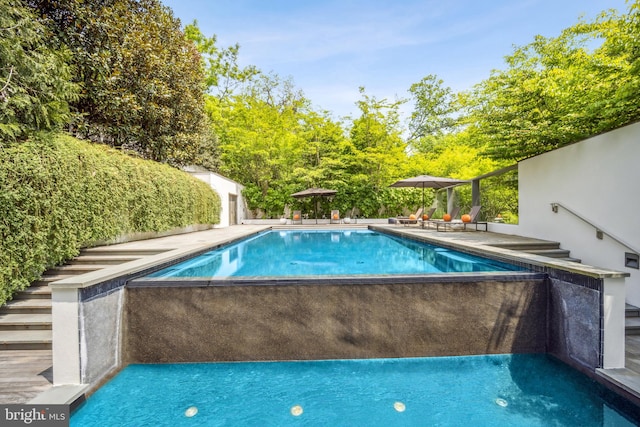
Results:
60 195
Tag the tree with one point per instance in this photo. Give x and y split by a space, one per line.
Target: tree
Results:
141 90
433 108
224 76
559 90
35 81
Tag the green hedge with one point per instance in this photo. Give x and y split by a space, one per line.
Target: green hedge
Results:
62 194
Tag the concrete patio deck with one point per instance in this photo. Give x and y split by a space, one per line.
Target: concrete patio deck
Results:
26 378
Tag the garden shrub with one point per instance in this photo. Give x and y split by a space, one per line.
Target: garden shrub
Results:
61 194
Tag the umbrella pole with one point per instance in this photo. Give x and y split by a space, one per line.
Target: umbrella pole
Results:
315 199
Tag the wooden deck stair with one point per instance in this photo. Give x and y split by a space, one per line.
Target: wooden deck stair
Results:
25 321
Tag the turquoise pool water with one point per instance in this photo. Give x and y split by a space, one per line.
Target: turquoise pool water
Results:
496 390
324 252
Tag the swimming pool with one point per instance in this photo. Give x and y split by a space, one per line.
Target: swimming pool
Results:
329 253
499 390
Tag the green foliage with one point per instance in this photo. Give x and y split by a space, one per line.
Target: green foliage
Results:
141 90
223 74
62 194
560 90
35 85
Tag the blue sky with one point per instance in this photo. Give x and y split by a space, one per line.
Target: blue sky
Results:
332 47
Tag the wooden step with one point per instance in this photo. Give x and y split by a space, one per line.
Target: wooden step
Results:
46 280
27 306
121 252
103 259
34 292
26 340
527 246
13 322
73 269
632 325
551 253
631 311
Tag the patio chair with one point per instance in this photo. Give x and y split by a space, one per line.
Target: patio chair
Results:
475 214
335 217
429 214
441 222
412 219
296 218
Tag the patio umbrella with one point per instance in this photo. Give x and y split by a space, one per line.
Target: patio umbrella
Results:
314 192
428 181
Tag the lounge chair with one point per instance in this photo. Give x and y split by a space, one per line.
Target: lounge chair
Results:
296 218
335 217
475 214
441 222
412 219
429 214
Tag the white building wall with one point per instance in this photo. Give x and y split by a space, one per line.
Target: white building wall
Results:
226 188
598 179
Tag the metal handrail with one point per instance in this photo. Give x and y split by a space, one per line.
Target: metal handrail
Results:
554 208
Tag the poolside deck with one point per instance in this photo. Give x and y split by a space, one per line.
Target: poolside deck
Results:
25 374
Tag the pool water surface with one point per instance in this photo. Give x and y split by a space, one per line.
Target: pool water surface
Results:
495 390
324 252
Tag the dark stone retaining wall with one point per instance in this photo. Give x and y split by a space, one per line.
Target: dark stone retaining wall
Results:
461 316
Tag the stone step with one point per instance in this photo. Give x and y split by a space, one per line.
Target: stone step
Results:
34 292
27 306
13 322
571 259
632 325
103 259
26 340
631 311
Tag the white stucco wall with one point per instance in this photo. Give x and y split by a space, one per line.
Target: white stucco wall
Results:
225 188
597 178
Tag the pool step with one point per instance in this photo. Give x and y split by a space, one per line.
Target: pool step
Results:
632 320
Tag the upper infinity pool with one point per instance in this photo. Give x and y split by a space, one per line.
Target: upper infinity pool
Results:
329 252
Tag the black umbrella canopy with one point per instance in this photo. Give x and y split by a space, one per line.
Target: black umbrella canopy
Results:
314 192
428 181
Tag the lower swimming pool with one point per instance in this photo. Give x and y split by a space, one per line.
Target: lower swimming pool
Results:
498 390
329 253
